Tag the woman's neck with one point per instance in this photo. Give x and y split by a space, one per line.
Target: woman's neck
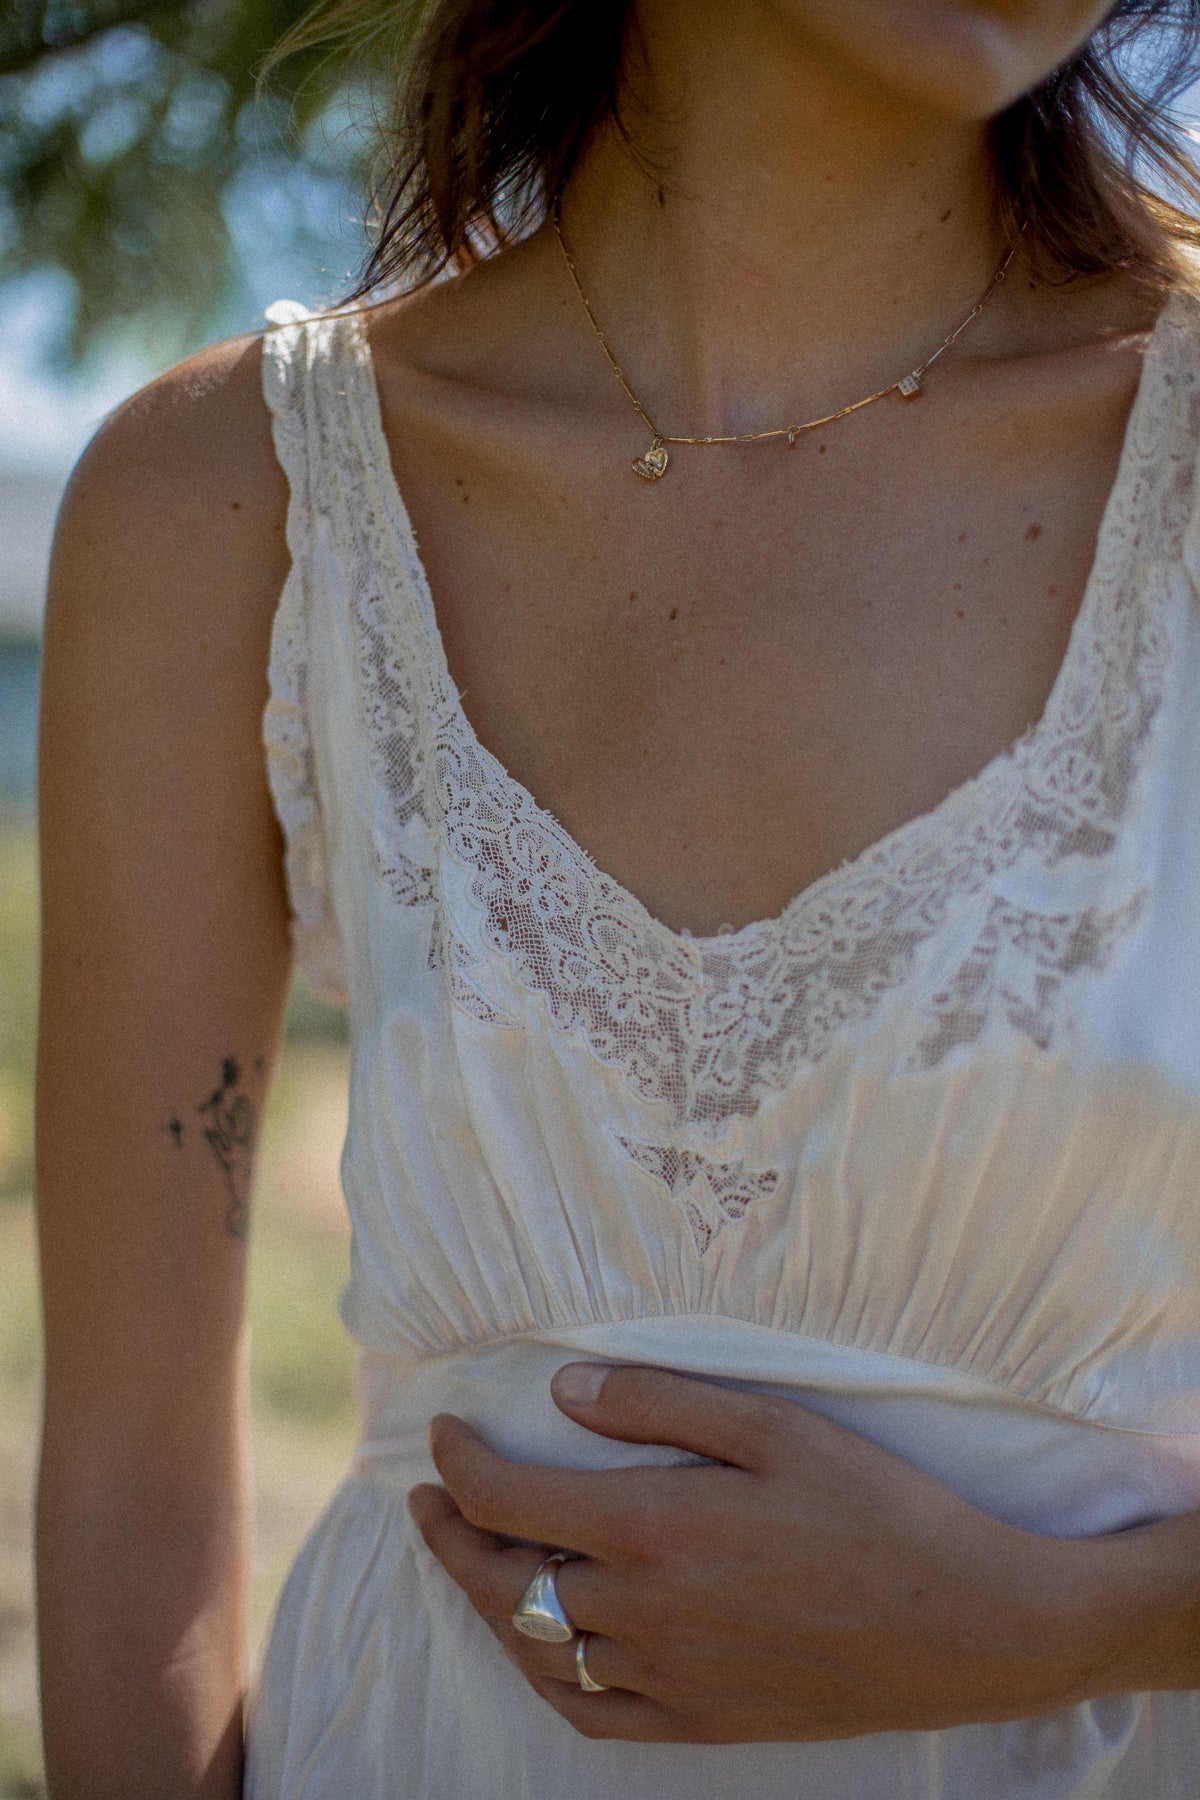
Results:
784 234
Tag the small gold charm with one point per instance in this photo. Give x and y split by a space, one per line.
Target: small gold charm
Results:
652 466
910 387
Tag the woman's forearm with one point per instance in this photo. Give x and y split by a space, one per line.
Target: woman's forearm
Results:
141 1581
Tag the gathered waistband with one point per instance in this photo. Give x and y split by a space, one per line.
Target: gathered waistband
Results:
1034 1468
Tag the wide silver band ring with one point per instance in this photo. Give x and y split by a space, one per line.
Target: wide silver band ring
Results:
540 1612
581 1669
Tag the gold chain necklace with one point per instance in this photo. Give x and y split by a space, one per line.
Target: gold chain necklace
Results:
653 464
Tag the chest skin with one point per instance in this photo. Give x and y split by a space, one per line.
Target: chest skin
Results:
727 683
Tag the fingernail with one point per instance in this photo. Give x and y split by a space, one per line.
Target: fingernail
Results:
579 1383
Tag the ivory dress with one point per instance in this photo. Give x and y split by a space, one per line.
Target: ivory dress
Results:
922 1152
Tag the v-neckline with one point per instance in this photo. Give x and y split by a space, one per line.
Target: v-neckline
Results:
1109 569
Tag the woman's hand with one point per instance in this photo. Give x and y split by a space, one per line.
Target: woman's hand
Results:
810 1585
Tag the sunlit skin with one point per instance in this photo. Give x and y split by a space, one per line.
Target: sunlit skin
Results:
965 62
824 210
813 158
844 630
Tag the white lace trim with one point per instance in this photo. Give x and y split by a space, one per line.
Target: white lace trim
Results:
707 1026
703 1028
391 721
287 737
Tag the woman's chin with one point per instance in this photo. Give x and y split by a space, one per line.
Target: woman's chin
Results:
964 62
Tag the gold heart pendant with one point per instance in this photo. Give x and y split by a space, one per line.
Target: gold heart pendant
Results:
652 466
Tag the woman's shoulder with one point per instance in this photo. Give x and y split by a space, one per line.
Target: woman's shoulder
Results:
177 508
170 555
189 450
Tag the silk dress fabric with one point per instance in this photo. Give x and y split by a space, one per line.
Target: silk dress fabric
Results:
921 1153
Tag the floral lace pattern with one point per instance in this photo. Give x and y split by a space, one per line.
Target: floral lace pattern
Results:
447 951
703 1028
287 736
1018 969
711 1194
391 719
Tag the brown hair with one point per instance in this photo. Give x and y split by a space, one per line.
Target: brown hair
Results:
495 100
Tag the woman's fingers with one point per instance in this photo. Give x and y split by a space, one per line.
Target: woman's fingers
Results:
595 1512
844 1586
607 1661
616 1714
493 1575
655 1406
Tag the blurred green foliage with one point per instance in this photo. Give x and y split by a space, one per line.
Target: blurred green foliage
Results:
135 154
18 1006
20 1316
20 1765
312 1020
300 1354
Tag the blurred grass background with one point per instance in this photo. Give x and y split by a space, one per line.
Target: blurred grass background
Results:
300 1365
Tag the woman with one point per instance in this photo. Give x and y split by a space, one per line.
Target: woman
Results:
784 1206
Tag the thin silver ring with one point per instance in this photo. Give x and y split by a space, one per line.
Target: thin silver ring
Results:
586 1681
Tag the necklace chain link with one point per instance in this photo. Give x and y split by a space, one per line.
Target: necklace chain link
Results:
652 465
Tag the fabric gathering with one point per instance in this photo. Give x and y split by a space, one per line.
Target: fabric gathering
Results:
918 1153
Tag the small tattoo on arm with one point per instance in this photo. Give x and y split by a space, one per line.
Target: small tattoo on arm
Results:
175 1126
229 1119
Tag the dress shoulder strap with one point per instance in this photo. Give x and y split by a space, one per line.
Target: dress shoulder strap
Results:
295 721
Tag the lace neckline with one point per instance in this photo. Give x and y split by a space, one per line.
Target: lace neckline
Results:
914 839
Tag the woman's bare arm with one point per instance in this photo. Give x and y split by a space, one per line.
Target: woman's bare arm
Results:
165 970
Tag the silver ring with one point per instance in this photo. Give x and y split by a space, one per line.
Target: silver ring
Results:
540 1612
581 1669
